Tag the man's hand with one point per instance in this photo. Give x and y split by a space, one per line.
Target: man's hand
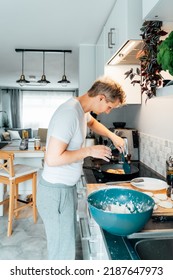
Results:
118 143
100 151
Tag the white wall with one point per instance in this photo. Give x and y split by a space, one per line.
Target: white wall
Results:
116 72
156 130
125 114
156 116
152 117
128 112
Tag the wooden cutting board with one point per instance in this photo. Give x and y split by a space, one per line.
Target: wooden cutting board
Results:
160 211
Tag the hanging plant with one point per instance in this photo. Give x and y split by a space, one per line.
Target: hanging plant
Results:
148 74
165 54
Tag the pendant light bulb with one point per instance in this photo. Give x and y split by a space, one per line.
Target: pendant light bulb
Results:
22 81
64 80
43 79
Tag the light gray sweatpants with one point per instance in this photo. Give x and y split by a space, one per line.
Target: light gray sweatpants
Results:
57 205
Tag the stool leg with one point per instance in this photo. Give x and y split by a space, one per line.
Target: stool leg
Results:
15 199
11 208
34 184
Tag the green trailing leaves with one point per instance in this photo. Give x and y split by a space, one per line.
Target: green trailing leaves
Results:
165 54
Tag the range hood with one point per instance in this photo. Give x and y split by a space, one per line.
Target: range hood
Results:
127 53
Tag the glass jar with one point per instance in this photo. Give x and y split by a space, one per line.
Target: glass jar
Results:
37 143
23 144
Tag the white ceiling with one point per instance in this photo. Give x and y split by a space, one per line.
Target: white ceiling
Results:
47 24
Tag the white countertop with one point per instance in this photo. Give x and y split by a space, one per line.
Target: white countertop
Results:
30 152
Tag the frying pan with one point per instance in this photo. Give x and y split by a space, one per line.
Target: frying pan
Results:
133 172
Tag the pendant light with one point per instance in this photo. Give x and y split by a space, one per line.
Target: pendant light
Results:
43 80
22 81
64 80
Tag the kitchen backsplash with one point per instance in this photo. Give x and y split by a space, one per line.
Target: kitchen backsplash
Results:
155 151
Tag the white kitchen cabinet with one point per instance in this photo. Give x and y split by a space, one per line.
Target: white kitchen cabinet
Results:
133 93
114 27
93 246
100 54
147 6
124 23
157 10
87 73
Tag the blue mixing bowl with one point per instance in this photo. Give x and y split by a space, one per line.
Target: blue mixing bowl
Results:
139 205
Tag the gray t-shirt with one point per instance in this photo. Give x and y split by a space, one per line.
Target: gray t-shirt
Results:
68 124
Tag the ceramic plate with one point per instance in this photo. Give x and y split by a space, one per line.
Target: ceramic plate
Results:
150 184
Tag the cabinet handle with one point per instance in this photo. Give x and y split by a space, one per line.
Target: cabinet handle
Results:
110 43
89 248
112 30
85 230
83 181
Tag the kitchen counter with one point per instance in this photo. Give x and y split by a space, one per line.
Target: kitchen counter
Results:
122 248
117 247
158 212
144 171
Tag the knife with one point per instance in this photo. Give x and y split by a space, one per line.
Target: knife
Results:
135 180
117 182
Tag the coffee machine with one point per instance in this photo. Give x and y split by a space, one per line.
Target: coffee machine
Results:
132 140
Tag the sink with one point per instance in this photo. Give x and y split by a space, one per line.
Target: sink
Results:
155 249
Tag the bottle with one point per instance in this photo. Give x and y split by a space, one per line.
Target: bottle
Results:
23 134
37 143
169 177
23 144
172 190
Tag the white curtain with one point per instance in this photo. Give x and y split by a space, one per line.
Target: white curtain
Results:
15 106
11 103
39 106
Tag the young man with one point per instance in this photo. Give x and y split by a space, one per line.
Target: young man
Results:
56 195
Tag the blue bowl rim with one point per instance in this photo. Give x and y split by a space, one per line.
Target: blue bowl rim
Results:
131 190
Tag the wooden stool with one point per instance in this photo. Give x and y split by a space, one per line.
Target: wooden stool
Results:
13 174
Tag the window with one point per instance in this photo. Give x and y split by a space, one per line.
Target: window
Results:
39 106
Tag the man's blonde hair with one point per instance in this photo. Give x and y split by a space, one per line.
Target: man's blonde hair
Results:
109 88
